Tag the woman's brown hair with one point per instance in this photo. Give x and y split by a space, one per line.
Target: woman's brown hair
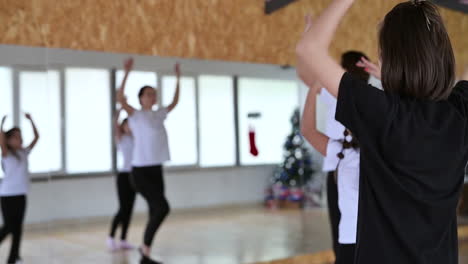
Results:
8 135
416 53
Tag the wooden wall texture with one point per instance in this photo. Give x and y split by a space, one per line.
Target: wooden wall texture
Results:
231 30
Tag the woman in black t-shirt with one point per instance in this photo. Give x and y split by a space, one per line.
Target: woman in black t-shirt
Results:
413 135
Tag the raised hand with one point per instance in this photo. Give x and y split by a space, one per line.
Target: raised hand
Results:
370 67
28 116
128 64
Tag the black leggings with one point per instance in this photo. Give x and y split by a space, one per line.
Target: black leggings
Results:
149 183
13 209
127 194
345 254
333 209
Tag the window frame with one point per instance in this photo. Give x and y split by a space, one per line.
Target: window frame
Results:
16 71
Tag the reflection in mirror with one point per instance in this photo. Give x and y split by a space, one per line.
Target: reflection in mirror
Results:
213 182
216 172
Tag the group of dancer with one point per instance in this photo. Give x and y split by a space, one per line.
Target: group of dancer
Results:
396 156
143 142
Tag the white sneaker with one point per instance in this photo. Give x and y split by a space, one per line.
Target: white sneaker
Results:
19 261
111 245
124 245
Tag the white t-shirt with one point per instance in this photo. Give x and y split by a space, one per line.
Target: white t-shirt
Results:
151 147
375 82
348 191
334 129
125 146
16 170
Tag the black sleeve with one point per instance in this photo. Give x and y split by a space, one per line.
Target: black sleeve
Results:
459 97
461 88
362 107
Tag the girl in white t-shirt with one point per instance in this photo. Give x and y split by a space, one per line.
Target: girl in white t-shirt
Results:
151 150
352 61
345 152
15 185
125 190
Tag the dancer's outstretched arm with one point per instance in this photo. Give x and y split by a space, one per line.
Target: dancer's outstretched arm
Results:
36 132
128 65
313 58
175 101
309 123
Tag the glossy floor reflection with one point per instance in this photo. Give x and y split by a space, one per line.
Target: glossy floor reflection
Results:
215 236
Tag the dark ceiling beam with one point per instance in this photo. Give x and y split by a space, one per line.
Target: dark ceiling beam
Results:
453 4
273 5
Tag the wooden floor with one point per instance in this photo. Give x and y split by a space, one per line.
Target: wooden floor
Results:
221 236
215 236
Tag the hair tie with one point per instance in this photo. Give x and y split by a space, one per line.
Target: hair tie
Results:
418 3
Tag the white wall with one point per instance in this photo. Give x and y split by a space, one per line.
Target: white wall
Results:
196 188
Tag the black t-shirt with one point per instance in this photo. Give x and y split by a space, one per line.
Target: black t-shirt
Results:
413 157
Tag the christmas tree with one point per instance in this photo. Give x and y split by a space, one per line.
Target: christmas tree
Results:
290 178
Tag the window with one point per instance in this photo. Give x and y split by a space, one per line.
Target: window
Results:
181 123
88 120
6 98
40 96
275 101
217 132
135 81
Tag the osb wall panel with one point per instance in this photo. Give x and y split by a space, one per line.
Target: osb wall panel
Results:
209 29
